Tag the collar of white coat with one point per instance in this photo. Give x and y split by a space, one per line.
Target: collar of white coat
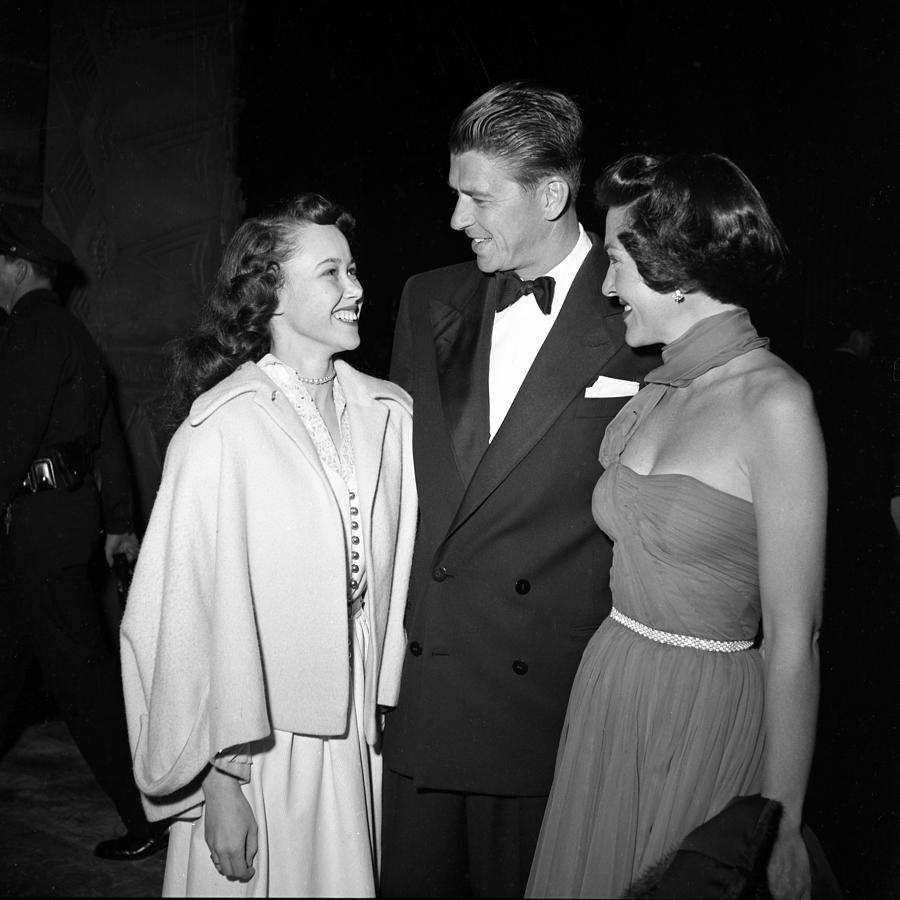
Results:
249 378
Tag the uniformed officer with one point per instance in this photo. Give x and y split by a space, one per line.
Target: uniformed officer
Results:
58 440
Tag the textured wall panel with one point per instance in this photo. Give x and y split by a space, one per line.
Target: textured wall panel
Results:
139 180
23 101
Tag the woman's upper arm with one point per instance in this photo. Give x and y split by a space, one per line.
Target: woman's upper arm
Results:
787 470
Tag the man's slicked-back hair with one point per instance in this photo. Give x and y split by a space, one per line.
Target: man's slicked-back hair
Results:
534 131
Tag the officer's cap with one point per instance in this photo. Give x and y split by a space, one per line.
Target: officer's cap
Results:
23 235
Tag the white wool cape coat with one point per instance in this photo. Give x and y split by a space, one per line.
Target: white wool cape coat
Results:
236 622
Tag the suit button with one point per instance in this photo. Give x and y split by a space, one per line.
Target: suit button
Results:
523 586
415 648
520 667
440 573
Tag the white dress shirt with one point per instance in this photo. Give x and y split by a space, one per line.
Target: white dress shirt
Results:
520 331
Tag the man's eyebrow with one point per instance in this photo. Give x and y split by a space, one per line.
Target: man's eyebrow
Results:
469 192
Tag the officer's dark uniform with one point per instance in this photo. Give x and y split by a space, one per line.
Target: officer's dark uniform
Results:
54 406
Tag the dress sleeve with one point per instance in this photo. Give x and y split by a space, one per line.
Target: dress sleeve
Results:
235 761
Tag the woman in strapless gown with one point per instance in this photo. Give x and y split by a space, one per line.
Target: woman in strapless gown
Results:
713 492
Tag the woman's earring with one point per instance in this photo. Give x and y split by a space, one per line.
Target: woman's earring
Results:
679 295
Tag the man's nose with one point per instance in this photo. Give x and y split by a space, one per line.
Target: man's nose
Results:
462 214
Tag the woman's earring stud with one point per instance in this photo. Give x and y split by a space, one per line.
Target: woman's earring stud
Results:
679 295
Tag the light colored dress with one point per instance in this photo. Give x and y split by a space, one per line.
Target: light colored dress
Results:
317 802
659 738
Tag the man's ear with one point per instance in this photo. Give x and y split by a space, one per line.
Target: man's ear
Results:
556 198
21 268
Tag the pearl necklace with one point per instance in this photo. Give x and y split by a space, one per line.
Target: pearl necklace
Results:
323 380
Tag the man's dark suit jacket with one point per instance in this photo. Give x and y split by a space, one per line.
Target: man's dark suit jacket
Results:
510 572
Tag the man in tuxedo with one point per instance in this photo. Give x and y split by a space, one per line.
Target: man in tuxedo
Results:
516 363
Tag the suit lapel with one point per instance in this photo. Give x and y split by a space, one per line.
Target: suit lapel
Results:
578 346
462 340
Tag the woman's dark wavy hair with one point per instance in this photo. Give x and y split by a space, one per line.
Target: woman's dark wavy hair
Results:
695 222
233 325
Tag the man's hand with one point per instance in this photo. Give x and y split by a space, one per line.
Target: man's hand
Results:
121 543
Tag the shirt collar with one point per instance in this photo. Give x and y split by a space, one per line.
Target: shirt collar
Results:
564 272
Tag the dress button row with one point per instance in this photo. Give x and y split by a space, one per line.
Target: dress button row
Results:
354 539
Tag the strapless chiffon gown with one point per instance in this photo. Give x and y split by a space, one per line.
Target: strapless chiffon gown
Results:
657 738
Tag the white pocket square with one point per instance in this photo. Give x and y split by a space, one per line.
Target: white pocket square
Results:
612 387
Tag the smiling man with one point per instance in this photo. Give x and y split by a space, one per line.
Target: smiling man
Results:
516 362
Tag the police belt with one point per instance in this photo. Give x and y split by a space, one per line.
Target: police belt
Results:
63 466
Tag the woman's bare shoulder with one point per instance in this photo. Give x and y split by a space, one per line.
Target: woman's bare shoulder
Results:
777 411
763 384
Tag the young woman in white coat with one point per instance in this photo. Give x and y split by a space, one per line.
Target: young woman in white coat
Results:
264 626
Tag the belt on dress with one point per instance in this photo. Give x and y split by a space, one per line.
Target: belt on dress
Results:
678 640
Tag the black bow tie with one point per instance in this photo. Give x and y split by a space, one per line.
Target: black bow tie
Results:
514 288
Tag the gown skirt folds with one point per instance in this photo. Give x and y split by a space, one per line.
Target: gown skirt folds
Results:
317 807
657 738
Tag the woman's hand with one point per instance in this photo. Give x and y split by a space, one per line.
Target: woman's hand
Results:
231 830
788 870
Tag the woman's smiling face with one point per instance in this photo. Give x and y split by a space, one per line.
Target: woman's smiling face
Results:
320 299
650 317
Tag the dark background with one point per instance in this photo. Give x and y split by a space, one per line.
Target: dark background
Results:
134 140
357 103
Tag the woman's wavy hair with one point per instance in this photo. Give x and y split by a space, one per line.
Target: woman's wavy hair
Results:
233 324
695 222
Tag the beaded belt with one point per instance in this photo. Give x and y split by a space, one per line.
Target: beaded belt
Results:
678 640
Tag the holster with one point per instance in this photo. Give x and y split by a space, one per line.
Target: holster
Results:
62 466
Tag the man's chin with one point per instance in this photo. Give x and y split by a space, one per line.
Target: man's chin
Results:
486 265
